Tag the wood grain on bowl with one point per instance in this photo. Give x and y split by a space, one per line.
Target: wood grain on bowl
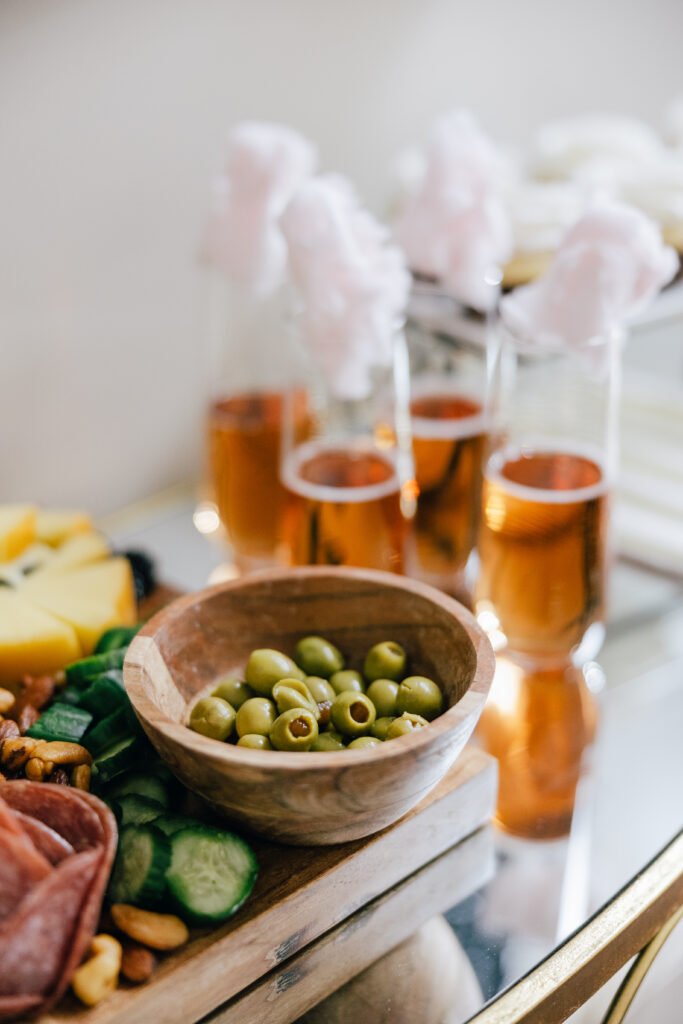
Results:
313 798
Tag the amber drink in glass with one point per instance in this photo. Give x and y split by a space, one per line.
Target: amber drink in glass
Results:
350 489
449 424
543 550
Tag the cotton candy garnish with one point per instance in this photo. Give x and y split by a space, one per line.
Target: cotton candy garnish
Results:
455 227
352 281
266 163
608 267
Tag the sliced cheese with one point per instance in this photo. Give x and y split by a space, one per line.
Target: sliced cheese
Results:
90 598
17 529
54 526
80 549
32 642
34 557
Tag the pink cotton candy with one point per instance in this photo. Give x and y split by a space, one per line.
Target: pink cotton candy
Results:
455 227
266 163
352 282
609 267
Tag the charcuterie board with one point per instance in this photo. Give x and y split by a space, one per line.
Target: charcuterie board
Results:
303 894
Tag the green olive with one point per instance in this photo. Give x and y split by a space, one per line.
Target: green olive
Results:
320 689
420 696
296 729
318 657
326 741
267 667
234 691
380 727
364 741
255 741
405 724
256 716
293 693
352 713
213 717
384 693
349 679
385 661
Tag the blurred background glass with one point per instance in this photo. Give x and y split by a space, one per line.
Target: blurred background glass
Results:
114 118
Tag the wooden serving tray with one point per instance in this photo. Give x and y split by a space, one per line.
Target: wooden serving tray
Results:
301 894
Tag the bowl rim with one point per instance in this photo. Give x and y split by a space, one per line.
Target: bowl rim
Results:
137 658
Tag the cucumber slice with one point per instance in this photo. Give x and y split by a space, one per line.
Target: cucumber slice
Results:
112 639
211 873
84 671
120 758
149 786
105 695
61 722
140 866
172 823
136 810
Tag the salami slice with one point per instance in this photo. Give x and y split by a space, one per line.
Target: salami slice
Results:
13 1006
49 843
21 869
92 906
59 807
35 942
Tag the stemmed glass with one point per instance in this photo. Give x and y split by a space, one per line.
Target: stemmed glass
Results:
543 549
349 487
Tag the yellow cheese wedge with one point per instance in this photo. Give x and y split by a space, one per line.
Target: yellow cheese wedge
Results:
55 526
34 557
32 641
81 549
91 598
17 530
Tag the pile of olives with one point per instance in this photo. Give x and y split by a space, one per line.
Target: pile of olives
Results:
312 702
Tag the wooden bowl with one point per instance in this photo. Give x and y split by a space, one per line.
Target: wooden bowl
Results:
315 798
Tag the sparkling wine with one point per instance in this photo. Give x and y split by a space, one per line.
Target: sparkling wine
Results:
448 444
245 433
343 508
542 545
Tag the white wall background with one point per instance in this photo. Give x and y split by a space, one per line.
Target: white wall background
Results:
113 116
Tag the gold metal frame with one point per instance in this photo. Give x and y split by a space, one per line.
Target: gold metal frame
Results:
639 918
636 975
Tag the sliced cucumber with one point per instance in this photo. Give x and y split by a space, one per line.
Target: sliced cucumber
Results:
120 757
61 722
136 810
112 639
105 694
211 873
149 786
84 671
140 866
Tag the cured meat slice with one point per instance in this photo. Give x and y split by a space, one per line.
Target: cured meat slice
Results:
48 933
21 869
49 843
59 807
13 1006
35 942
92 906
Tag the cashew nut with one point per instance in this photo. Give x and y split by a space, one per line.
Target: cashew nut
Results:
7 700
80 777
160 931
61 752
96 979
